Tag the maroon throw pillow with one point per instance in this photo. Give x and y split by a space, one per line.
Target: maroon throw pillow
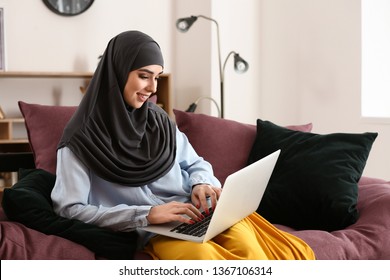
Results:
18 242
226 144
44 125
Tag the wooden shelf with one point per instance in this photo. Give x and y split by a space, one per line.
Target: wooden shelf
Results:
14 141
163 90
26 74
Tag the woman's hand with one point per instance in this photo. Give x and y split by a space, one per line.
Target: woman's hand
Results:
201 192
174 211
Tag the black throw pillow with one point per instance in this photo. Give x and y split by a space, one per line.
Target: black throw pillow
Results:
315 182
28 202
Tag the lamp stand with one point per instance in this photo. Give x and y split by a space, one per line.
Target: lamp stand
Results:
222 99
183 24
219 65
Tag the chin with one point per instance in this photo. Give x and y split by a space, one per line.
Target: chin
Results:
139 105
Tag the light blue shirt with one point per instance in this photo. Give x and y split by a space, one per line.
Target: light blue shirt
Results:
80 194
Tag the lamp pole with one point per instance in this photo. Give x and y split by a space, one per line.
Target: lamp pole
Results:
183 24
219 65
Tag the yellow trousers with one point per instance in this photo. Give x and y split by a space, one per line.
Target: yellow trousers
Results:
253 238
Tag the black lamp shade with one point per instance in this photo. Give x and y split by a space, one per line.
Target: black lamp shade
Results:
183 24
240 65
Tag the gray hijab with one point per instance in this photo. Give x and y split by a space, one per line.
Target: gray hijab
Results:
132 147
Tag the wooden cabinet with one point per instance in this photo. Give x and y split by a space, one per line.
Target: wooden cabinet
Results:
6 129
8 141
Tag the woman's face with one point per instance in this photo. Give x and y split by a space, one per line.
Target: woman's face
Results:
141 84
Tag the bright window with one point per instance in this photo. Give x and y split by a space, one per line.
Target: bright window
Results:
376 58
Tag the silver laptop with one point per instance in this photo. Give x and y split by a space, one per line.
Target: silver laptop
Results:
241 196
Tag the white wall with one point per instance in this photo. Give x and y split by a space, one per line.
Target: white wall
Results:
311 71
304 58
192 70
40 40
240 28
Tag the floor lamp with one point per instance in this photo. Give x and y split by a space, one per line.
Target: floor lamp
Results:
240 65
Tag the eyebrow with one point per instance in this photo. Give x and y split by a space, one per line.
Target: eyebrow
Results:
148 71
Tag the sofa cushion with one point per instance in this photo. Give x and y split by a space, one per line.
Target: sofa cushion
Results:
28 202
18 242
224 143
367 239
45 124
315 181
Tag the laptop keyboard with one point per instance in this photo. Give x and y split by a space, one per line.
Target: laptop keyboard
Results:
199 228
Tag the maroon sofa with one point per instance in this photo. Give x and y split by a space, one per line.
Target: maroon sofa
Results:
226 145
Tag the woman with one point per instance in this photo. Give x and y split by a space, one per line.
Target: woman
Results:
123 164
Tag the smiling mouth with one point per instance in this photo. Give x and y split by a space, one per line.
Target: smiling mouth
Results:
143 97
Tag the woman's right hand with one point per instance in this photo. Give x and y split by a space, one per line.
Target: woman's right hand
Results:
174 211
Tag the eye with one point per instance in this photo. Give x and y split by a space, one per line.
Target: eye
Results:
143 77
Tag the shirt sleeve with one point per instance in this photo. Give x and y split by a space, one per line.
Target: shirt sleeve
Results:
199 170
70 198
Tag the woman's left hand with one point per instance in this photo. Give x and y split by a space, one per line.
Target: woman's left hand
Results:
201 192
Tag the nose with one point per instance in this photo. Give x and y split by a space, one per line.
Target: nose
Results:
152 86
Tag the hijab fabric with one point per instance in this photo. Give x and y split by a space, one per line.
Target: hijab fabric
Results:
128 146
